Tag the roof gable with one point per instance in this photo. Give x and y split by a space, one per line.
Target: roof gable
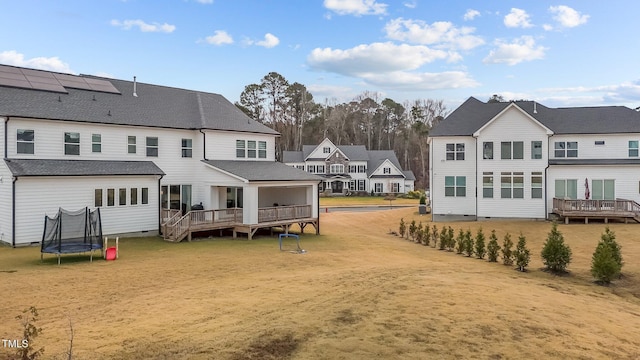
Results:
512 106
317 152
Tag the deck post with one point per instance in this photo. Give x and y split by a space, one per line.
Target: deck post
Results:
586 220
566 220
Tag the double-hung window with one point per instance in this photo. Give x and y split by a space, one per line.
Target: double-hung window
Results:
251 149
378 187
240 148
536 185
386 170
131 144
72 143
487 185
152 146
187 148
326 150
336 169
512 185
351 168
319 169
311 169
262 149
362 169
566 149
454 151
536 149
361 185
395 187
455 186
96 143
25 141
633 148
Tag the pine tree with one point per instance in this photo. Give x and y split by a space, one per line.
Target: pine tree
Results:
522 254
604 266
434 236
443 238
556 255
480 245
451 241
468 243
609 238
493 248
403 227
412 229
507 253
460 242
419 233
427 236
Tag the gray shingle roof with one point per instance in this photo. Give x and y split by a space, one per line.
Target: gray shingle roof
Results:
473 114
48 167
155 106
263 170
292 157
408 175
377 157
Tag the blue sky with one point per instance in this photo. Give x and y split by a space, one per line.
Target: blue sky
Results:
560 53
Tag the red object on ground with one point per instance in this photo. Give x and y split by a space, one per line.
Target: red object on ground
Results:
111 253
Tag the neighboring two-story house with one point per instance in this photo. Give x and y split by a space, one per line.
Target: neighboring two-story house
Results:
134 150
511 160
352 168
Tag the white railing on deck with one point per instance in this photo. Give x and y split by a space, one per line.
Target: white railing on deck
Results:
278 213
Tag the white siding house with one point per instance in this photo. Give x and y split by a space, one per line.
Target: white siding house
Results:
511 160
352 168
138 152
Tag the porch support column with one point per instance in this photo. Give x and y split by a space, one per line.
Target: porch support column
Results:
250 204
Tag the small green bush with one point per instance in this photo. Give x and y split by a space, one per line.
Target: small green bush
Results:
412 229
427 236
606 262
556 255
460 242
507 253
443 238
403 228
492 247
609 238
419 233
522 254
468 243
435 236
451 241
423 200
480 245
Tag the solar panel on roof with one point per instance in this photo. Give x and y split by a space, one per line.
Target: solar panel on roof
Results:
48 81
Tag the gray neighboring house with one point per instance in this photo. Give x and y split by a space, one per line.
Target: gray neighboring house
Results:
525 160
352 168
143 154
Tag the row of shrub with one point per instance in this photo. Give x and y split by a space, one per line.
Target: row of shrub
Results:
556 255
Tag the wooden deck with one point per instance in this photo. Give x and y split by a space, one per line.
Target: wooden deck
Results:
176 227
619 209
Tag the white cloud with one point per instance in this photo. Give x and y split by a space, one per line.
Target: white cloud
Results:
402 80
567 17
373 58
143 26
410 5
205 1
521 49
219 37
269 41
356 7
471 14
15 58
441 34
627 94
517 18
337 92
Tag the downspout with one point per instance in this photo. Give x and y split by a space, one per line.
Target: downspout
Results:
159 206
546 189
204 144
431 178
13 211
6 138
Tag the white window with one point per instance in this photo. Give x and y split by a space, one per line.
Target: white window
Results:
395 187
361 185
455 151
96 143
131 144
362 169
511 150
145 195
25 141
326 150
187 148
301 167
352 185
487 150
378 187
319 169
72 143
336 169
603 189
536 149
633 148
487 185
386 170
566 149
536 185
97 196
152 146
512 185
133 196
240 149
262 149
311 168
352 168
111 197
455 186
251 149
122 196
566 188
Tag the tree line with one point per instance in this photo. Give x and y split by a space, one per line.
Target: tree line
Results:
369 119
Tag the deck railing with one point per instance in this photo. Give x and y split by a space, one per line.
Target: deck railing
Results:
278 213
176 227
619 206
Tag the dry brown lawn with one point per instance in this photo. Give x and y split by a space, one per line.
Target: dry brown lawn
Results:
358 293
